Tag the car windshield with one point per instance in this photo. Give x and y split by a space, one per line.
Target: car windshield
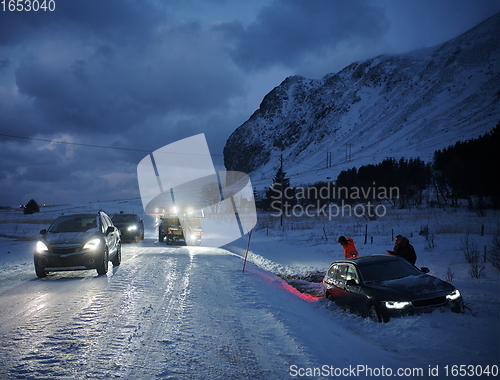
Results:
124 218
387 270
74 223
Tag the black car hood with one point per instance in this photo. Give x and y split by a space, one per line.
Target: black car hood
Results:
73 238
411 287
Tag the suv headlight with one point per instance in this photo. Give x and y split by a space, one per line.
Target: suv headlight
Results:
92 244
41 247
396 304
453 295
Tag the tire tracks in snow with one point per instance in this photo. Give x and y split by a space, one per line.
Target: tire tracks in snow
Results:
166 312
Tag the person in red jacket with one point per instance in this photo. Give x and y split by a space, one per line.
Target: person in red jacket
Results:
350 251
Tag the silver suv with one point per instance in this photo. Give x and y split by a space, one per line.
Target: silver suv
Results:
76 242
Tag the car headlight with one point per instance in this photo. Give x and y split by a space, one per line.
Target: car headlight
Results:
92 244
453 295
41 247
396 304
132 228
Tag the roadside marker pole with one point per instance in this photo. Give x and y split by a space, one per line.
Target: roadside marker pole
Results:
246 253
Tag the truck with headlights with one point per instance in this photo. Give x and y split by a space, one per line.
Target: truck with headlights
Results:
180 227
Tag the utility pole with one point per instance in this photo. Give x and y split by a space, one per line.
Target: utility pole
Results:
348 152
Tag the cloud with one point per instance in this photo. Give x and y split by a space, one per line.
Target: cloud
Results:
123 21
58 172
110 67
287 31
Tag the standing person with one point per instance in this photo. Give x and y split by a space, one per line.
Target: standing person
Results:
404 249
350 251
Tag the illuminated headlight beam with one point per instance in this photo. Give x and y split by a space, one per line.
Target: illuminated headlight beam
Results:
396 304
92 244
41 247
453 295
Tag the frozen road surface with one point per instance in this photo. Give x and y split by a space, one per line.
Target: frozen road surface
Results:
167 313
164 313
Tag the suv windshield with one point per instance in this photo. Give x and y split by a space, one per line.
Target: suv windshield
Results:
124 218
387 270
74 223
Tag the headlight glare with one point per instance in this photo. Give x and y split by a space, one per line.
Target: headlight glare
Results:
92 244
396 304
132 228
41 247
453 295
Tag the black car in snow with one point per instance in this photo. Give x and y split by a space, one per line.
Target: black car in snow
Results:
76 242
382 286
131 226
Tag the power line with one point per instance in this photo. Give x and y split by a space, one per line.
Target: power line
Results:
149 151
102 146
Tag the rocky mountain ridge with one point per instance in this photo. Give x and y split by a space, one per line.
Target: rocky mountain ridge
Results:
405 105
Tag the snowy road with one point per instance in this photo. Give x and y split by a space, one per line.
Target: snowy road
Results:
164 313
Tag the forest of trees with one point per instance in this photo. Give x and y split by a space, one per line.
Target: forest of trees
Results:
466 170
469 170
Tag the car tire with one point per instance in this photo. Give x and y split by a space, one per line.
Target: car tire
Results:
118 257
375 315
40 272
459 309
102 267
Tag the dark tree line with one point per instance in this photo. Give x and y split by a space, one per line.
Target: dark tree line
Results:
469 170
406 178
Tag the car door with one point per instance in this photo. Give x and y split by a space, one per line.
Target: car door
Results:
336 283
340 284
354 297
331 283
112 238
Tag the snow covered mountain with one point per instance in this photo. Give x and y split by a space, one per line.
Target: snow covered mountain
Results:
405 105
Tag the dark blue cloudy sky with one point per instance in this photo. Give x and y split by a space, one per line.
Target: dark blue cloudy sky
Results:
88 89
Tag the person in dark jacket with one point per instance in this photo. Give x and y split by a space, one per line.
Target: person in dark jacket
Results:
350 251
404 249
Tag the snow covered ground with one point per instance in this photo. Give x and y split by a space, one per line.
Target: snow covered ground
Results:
190 312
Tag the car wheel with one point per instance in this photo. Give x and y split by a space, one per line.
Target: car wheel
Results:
102 268
458 309
40 272
118 257
375 315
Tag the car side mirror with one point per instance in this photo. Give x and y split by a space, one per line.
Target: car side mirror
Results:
43 232
425 270
110 230
351 282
